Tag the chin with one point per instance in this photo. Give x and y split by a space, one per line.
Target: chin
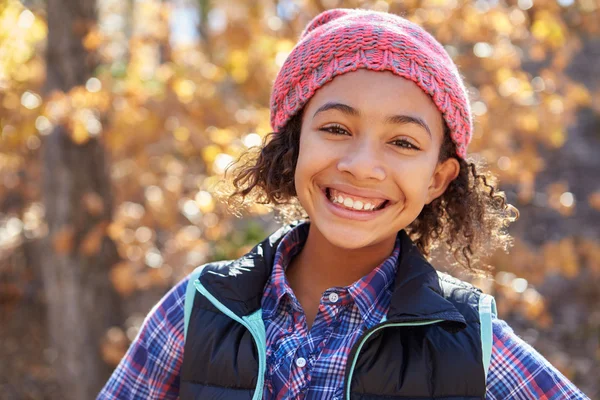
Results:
351 236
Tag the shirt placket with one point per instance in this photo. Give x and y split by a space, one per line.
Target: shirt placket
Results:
308 352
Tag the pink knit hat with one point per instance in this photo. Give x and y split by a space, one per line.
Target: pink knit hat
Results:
343 40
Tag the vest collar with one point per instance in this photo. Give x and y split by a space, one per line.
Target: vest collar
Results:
417 294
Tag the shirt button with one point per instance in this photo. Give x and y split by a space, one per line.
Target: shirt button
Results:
301 362
333 297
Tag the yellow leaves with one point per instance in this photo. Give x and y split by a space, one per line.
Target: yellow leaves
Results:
93 39
172 126
151 19
517 294
500 22
578 94
212 72
79 133
84 124
181 134
469 29
222 162
57 107
557 138
221 137
80 97
548 28
36 28
284 45
210 152
206 90
562 258
528 122
165 72
79 110
560 199
238 65
282 50
20 29
184 89
21 68
205 201
11 101
503 74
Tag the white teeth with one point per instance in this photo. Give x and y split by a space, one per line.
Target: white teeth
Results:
354 204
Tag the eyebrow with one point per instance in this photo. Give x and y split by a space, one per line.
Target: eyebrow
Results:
392 119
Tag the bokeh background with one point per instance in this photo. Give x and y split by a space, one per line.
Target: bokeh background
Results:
118 117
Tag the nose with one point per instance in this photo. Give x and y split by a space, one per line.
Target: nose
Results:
364 161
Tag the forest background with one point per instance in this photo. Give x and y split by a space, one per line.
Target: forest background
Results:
118 117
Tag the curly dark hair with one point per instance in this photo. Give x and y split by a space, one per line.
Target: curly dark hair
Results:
470 218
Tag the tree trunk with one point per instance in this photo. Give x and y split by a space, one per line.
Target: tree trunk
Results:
81 302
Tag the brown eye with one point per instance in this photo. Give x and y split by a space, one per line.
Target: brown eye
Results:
334 130
405 144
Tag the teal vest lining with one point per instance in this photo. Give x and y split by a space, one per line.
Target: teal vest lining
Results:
253 323
190 293
487 311
366 337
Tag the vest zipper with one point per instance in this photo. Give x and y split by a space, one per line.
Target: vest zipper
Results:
255 325
358 346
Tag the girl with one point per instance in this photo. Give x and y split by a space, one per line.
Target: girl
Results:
371 127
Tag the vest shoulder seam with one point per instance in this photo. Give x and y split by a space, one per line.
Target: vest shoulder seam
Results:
446 278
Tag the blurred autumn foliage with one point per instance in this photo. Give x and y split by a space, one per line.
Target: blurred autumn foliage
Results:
178 89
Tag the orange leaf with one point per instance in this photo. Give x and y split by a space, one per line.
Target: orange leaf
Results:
62 240
123 278
93 240
93 203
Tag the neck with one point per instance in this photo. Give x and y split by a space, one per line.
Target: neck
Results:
321 265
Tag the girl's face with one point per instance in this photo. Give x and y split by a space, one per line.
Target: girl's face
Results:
368 160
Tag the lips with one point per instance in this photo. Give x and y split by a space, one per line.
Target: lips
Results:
342 211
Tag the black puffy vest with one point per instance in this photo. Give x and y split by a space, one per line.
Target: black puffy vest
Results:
429 347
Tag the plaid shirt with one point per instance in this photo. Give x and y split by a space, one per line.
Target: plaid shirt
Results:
150 368
304 363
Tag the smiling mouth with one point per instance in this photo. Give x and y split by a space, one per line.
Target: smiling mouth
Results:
348 202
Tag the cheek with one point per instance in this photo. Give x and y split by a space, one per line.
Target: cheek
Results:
302 163
313 157
305 166
413 178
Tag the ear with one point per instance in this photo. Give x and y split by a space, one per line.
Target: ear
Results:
445 172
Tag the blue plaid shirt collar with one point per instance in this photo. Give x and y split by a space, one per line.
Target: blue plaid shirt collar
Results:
370 293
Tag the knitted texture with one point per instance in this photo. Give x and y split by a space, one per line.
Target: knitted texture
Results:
343 40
